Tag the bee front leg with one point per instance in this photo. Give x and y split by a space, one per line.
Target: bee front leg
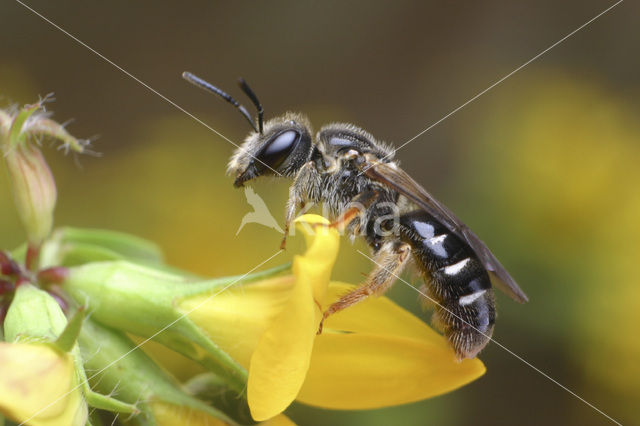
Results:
298 194
293 204
390 261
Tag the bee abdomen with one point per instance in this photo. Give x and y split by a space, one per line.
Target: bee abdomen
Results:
467 319
455 280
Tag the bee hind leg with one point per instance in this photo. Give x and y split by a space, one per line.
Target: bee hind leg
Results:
390 261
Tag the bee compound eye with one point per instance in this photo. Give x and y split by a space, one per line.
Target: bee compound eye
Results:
278 148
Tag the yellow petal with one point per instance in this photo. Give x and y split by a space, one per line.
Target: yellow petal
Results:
166 414
363 371
237 317
322 249
376 354
37 383
281 359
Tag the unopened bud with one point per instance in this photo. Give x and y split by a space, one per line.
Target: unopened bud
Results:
34 190
32 183
33 315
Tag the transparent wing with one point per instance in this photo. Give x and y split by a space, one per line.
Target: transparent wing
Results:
396 178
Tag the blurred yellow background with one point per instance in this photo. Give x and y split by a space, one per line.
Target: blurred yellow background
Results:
544 167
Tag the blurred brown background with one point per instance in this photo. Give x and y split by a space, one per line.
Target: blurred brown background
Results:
544 167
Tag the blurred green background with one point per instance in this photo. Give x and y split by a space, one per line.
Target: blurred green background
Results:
544 167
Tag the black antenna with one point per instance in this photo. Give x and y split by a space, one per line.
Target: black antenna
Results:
251 94
197 81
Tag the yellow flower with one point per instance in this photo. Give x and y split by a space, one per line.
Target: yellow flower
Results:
374 354
38 385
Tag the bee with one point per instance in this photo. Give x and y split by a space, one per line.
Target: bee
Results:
356 177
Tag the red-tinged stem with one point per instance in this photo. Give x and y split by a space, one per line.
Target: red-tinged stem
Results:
6 287
53 275
64 305
4 258
32 257
21 280
7 265
4 307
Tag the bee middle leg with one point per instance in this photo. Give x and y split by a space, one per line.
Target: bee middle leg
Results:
390 260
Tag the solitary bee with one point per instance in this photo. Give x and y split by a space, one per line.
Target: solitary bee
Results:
356 177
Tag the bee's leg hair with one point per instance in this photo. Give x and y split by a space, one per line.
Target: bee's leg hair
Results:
298 194
390 261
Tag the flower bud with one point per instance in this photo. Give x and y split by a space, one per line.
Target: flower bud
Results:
34 190
32 184
143 301
33 316
38 380
37 386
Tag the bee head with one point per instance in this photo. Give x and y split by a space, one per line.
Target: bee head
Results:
279 147
281 150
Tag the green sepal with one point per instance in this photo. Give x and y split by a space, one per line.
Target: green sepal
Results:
44 126
36 316
16 134
67 339
212 389
95 399
126 245
5 124
33 315
76 246
123 367
104 402
95 419
16 127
